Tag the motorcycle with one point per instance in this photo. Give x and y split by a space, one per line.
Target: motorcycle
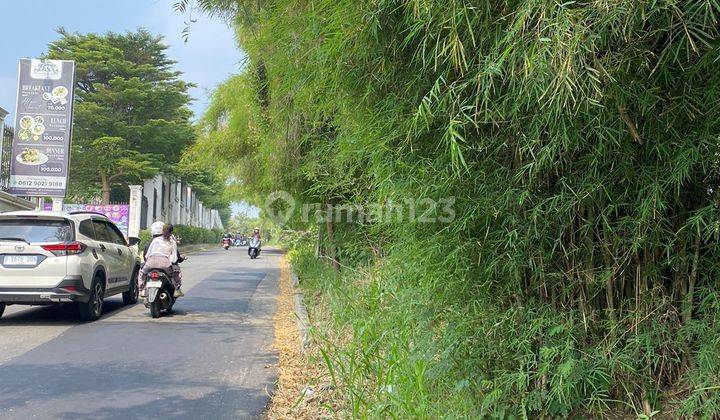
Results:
254 249
226 243
160 293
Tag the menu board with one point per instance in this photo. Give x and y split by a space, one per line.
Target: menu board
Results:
43 127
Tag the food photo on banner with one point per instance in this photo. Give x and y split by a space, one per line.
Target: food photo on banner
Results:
43 121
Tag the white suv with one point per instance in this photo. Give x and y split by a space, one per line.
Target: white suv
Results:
55 257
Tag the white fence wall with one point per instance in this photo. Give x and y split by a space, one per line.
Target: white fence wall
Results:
171 201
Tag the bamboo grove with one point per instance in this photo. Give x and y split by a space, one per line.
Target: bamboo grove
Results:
579 140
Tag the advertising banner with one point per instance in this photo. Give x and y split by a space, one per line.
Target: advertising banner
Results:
117 213
43 126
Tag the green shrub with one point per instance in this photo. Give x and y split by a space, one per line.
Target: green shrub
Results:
188 234
145 238
195 235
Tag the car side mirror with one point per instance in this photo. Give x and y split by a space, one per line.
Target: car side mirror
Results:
133 241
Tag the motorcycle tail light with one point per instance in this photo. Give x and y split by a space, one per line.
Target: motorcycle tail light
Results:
154 275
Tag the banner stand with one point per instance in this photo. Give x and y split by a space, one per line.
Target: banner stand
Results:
43 128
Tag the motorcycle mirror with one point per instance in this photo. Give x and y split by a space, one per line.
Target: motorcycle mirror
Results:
133 241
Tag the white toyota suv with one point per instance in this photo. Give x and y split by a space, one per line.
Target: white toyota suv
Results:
56 258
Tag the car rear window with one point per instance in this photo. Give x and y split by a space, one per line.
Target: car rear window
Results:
36 230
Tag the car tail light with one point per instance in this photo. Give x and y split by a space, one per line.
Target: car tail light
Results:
61 250
71 289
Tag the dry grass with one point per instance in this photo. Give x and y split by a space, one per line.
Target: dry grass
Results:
298 395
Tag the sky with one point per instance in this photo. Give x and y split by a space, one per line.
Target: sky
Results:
27 26
208 57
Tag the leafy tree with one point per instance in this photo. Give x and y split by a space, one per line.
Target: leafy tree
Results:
209 186
131 114
243 223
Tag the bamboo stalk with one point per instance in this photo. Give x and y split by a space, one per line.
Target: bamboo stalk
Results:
610 282
332 251
688 310
630 124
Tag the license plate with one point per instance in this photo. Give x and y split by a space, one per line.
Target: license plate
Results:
20 260
157 284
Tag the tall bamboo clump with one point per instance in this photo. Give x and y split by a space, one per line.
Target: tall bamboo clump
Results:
579 140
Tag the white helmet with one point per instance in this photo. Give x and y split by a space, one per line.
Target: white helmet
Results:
157 228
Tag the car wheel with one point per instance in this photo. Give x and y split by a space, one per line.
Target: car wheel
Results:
131 296
92 310
2 309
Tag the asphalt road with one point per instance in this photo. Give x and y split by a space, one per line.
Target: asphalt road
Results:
211 358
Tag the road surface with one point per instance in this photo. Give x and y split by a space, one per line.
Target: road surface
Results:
211 359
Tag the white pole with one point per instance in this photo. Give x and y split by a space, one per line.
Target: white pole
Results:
134 210
57 203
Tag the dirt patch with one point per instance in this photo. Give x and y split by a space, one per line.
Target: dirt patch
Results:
300 392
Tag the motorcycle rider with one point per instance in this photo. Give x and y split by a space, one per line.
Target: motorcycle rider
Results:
226 240
255 235
162 253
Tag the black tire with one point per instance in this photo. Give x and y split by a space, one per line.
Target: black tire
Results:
155 308
131 296
92 310
2 309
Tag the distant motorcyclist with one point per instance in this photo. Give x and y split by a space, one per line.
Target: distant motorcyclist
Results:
162 253
255 242
227 241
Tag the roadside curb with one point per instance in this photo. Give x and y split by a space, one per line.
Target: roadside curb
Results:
193 248
301 313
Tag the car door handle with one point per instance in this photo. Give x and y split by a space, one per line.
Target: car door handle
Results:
102 247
